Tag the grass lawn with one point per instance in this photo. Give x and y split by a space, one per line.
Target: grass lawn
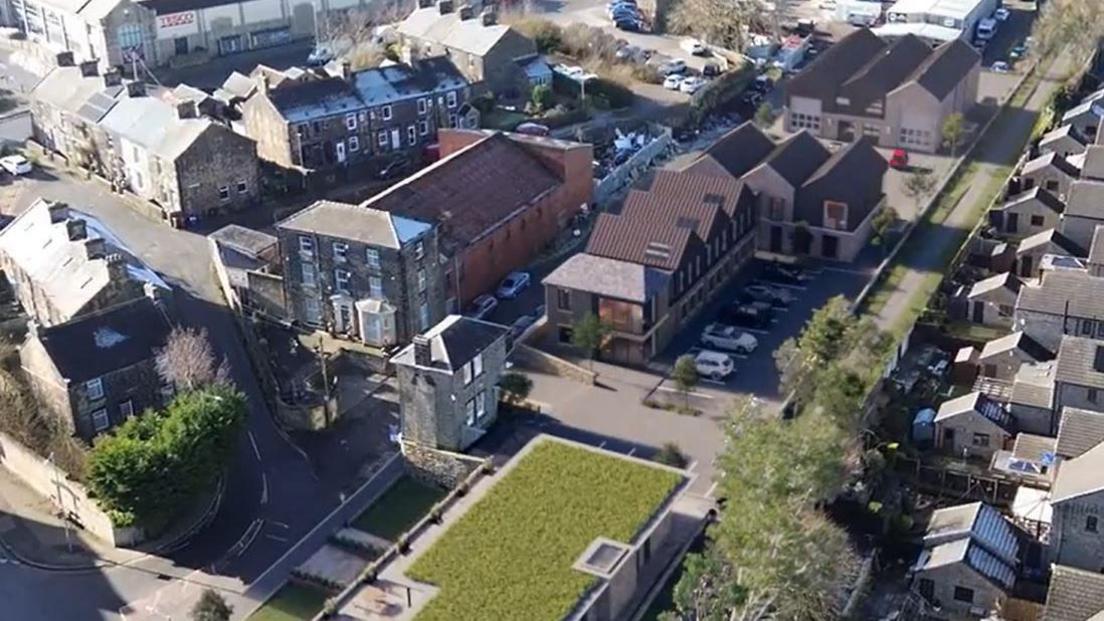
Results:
400 507
293 602
509 556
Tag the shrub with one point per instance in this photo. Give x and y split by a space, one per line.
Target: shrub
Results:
547 35
670 454
647 73
617 95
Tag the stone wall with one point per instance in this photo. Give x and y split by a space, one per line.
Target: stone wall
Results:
533 359
69 496
440 468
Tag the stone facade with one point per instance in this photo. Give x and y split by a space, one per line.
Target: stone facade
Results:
958 578
1077 532
218 173
440 468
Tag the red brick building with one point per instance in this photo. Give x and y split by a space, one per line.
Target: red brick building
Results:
498 199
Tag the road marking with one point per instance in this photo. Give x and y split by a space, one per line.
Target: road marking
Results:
711 381
264 489
712 488
279 524
253 441
844 270
276 538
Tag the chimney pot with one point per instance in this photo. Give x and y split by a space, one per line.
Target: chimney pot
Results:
187 109
346 70
466 12
136 88
489 17
444 7
422 354
77 229
58 212
64 59
112 77
94 248
89 68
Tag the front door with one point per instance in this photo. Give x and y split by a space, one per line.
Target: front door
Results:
1012 222
180 45
1025 267
340 149
948 438
396 138
979 312
776 239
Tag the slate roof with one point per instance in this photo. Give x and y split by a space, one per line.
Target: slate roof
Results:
1051 238
455 341
472 191
1079 476
946 67
737 152
153 124
1074 595
636 241
354 222
885 71
1085 107
853 175
1017 341
975 534
1032 447
1086 199
822 77
449 30
1049 159
1065 131
1037 193
239 85
798 157
1078 431
607 277
1080 362
66 89
95 345
1033 386
1062 292
249 242
1006 280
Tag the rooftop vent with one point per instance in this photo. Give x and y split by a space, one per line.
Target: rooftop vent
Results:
602 557
658 250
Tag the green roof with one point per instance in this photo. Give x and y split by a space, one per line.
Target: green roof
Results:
510 555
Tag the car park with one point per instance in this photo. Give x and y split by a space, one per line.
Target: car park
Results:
627 52
676 65
672 82
728 338
750 315
15 165
784 274
482 306
1001 14
513 284
713 364
775 296
695 47
691 85
1018 52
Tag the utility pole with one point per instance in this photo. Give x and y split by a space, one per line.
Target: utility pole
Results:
322 361
61 504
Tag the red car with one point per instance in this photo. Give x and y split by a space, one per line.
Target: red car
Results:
899 159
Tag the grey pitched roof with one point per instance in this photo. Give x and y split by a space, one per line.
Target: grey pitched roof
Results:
608 277
469 35
1065 131
1053 240
798 157
1037 193
1006 280
1078 476
1078 431
1033 385
1085 107
1080 362
737 152
1049 159
975 534
1017 341
979 403
946 67
95 345
247 241
1074 595
1086 199
885 71
66 89
239 85
835 65
1062 292
852 175
354 222
153 124
455 341
1032 447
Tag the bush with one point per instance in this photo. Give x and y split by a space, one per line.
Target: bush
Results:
585 42
541 99
547 35
671 455
617 95
647 73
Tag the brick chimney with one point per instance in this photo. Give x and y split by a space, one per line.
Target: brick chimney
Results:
425 4
136 88
489 17
444 7
116 267
112 77
76 228
187 109
64 59
466 12
95 248
423 356
89 68
58 212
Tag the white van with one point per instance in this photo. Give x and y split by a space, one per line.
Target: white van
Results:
986 28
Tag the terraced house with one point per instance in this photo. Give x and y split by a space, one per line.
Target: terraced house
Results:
326 123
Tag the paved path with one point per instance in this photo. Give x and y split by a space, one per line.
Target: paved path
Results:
994 153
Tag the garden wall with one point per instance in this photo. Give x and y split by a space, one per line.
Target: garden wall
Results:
624 174
533 359
436 467
69 496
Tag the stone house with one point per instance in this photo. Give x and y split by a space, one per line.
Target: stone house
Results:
353 122
1077 502
361 273
1051 172
897 94
99 369
1062 303
191 167
1078 431
1079 375
66 106
448 382
648 270
1030 252
490 55
1064 141
1084 118
109 32
969 562
498 199
1027 213
1001 358
973 425
1074 595
813 202
241 258
61 264
992 301
1084 211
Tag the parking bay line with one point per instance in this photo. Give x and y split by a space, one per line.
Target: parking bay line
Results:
693 394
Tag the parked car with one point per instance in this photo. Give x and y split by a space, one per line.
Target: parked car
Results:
728 338
899 159
1018 52
711 70
624 12
1000 67
672 82
15 165
512 285
520 325
761 84
628 52
691 84
482 306
533 129
775 296
695 47
713 364
1001 14
745 315
628 24
320 56
676 65
784 274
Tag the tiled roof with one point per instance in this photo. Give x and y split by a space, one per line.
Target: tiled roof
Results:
363 224
834 66
1037 193
1063 292
1052 239
978 403
1065 131
1080 362
1080 475
455 341
798 157
637 241
885 71
1074 595
1078 431
153 124
1019 341
1086 199
738 151
247 241
1034 386
472 191
1049 159
1006 280
694 188
852 175
1032 447
469 35
607 277
946 67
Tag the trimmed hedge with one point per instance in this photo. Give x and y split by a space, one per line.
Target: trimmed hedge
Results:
510 556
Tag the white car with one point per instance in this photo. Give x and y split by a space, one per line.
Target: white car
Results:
512 285
672 82
1001 14
15 164
674 66
482 306
691 85
695 47
728 338
713 364
1000 67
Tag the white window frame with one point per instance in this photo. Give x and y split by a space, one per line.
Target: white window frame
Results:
411 135
100 414
126 409
224 193
423 105
480 404
308 268
423 315
372 257
354 144
94 389
385 113
477 364
421 280
375 287
340 252
450 97
470 417
306 245
381 138
351 121
423 127
466 373
419 250
342 279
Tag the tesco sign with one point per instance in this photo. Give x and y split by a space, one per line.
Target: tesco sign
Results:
177 25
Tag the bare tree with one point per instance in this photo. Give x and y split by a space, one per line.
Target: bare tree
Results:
721 22
188 362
